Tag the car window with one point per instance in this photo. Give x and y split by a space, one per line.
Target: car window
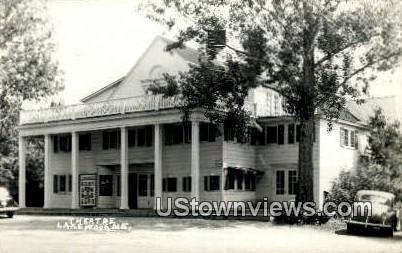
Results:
375 199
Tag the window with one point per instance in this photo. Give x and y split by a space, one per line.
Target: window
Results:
55 184
292 182
280 182
230 178
349 138
65 143
62 182
144 136
85 142
131 137
174 134
291 133
272 134
141 137
249 179
70 183
239 179
111 139
228 133
281 134
186 184
105 185
298 133
142 185
187 133
211 183
170 184
207 132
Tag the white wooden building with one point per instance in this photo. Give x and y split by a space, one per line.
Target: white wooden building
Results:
121 148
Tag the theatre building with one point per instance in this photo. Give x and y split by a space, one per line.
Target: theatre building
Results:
122 147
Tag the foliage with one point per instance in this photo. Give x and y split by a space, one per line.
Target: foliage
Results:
27 72
317 53
381 169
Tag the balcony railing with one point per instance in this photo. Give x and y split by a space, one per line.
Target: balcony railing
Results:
106 108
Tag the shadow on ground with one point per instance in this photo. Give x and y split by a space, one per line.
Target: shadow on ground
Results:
372 234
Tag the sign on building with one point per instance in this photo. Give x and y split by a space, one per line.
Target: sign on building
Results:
88 190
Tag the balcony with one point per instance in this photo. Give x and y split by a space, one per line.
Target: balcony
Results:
106 108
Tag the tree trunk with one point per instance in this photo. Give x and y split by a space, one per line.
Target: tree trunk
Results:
306 167
306 112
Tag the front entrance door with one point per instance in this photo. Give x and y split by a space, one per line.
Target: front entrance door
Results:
132 190
145 190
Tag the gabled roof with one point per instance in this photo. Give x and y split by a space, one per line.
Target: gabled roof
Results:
187 54
104 89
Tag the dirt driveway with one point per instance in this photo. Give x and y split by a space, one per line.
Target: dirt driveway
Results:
41 234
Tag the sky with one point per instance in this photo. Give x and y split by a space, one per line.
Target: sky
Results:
98 41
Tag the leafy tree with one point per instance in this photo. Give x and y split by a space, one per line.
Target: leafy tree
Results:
316 53
27 73
381 169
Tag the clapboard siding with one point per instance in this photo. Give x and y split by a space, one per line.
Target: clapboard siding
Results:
274 156
333 157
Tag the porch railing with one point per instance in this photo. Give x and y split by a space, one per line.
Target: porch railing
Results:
106 108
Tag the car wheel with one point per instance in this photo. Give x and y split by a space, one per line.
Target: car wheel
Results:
390 232
10 214
350 228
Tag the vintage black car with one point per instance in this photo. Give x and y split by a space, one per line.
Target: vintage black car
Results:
384 216
8 205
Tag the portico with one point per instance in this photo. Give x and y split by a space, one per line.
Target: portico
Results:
124 122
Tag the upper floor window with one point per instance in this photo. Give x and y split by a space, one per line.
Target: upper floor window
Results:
62 143
85 142
177 134
111 139
141 137
276 134
144 136
348 138
207 132
291 133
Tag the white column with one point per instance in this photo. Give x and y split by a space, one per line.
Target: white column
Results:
74 169
47 177
157 162
124 169
195 160
21 171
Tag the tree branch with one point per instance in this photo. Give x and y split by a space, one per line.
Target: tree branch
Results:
368 65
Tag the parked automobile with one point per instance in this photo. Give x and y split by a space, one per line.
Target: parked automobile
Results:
384 217
8 205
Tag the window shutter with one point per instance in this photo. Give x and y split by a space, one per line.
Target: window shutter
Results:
55 184
55 144
105 140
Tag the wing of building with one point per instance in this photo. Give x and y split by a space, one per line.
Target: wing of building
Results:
122 148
